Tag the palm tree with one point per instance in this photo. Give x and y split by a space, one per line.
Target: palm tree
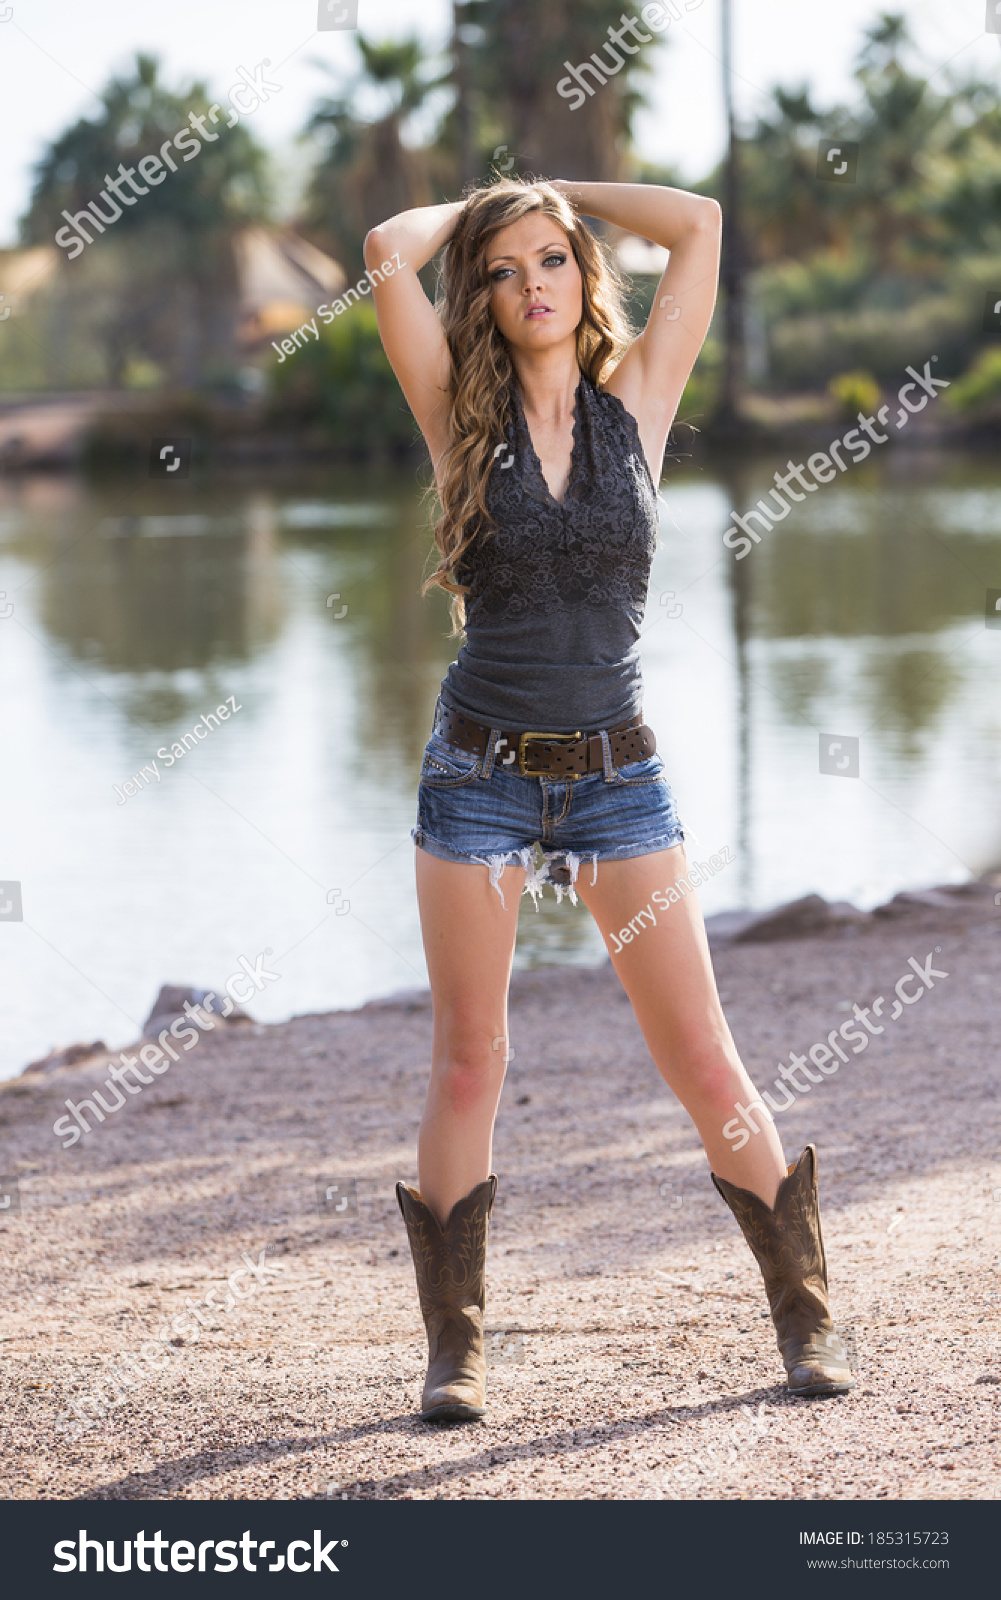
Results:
366 172
788 207
902 123
161 282
522 57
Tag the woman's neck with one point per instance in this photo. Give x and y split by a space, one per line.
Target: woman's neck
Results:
548 391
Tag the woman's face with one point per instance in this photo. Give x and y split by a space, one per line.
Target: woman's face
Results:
537 299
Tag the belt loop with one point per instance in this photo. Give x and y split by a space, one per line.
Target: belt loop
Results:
606 752
490 752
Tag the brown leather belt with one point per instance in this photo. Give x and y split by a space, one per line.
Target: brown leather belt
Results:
551 755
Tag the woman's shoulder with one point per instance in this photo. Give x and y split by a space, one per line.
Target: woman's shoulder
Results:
612 407
621 425
606 395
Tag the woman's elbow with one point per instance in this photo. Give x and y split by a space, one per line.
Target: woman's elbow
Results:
373 249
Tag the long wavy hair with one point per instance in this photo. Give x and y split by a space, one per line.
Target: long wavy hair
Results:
481 369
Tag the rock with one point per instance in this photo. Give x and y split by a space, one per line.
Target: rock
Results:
949 897
725 926
67 1057
974 889
813 915
170 1002
800 919
400 1000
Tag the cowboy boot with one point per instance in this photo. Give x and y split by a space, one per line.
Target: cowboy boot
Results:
788 1245
449 1265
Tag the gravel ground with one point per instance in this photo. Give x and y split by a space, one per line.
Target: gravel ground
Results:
631 1353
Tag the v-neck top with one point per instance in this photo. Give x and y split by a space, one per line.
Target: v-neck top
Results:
557 591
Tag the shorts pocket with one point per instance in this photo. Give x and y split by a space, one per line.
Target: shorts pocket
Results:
649 770
445 766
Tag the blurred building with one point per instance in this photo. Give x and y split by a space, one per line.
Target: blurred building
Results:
282 279
53 392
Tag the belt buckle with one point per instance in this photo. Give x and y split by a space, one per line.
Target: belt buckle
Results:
551 738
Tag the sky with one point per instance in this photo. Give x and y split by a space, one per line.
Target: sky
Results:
55 55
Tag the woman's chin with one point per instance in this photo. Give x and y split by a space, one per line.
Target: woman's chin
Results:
537 334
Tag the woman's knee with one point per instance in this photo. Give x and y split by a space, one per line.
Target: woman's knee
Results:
709 1071
469 1067
468 1085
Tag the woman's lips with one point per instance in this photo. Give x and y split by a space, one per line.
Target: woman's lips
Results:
539 311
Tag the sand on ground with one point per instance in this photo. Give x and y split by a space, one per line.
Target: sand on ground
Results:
631 1354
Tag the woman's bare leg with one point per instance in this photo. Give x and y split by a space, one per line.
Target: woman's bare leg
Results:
667 973
469 939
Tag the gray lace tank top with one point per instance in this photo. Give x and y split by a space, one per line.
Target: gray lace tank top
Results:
558 592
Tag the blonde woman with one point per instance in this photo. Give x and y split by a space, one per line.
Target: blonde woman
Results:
546 423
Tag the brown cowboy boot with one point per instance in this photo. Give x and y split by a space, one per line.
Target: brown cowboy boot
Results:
788 1245
449 1265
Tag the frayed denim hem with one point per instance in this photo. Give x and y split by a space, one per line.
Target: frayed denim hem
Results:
558 867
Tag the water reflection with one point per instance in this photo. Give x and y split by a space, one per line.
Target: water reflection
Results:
136 606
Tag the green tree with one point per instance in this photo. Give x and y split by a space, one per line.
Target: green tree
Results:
783 203
929 173
497 87
902 123
365 172
520 57
160 282
342 390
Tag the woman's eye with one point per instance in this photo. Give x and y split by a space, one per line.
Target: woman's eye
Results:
500 273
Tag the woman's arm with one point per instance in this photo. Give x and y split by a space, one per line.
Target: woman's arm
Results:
411 333
651 210
418 234
651 376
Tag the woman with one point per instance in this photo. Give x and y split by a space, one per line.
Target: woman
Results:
546 428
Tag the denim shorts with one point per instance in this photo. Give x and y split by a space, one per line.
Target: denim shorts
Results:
479 809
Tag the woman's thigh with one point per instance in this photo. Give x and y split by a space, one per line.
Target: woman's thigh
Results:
661 956
469 939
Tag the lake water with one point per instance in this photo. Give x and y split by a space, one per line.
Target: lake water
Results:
130 609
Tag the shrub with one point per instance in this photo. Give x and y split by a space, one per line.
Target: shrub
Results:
344 384
809 350
978 388
855 392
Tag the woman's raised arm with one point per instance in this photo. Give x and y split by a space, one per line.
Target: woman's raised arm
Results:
411 333
652 374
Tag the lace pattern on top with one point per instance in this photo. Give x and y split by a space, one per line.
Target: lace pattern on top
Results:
594 548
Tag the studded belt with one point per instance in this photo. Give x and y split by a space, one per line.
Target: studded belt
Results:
551 755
